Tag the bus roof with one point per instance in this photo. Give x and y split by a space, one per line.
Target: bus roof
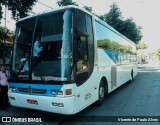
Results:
53 10
84 10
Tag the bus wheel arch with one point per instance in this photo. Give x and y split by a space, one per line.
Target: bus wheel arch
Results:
102 90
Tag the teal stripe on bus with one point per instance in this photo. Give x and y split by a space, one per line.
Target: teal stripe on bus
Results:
30 88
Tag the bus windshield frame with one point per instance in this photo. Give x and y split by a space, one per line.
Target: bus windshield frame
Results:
47 39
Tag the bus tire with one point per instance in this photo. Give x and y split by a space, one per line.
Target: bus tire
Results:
101 94
131 80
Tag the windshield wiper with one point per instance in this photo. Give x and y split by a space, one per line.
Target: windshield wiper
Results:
20 69
40 74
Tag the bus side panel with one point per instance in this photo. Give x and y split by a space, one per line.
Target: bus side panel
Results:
87 93
122 72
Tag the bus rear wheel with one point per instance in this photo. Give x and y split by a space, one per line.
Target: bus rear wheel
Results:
101 94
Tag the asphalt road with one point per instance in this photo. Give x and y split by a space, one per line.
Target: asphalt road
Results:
140 99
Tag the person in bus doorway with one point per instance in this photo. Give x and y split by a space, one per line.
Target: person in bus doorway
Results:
37 51
25 63
37 48
3 88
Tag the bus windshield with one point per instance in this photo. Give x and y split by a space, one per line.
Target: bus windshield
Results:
42 47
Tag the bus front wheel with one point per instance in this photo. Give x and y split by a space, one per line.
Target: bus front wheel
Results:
101 94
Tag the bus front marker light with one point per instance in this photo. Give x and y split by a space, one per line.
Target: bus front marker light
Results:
54 104
11 98
60 104
68 92
54 92
12 88
60 93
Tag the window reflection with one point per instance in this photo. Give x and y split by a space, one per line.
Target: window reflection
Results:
118 48
82 63
108 39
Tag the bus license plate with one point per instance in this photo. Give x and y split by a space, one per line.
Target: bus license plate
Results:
32 101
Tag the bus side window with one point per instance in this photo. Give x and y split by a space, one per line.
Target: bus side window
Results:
81 48
82 56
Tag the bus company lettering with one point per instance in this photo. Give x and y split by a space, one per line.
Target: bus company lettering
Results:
18 119
34 120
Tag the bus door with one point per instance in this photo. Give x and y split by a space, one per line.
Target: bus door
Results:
83 48
84 57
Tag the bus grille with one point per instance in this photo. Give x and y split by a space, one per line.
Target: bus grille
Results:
29 90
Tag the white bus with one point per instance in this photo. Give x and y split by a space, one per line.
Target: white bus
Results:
81 59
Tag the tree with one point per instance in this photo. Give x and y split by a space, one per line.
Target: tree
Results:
66 2
131 30
1 12
6 37
19 8
88 8
126 27
157 53
114 16
142 46
102 17
5 34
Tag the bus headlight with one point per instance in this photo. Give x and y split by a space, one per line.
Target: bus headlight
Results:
11 89
57 92
11 98
60 93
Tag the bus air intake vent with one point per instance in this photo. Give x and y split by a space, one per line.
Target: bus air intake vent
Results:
34 91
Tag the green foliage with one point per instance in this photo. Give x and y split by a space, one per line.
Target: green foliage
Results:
5 42
5 50
157 53
1 12
114 15
5 34
142 46
88 8
126 27
131 30
66 2
102 17
19 8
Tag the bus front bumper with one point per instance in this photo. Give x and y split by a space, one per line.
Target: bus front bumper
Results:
61 105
